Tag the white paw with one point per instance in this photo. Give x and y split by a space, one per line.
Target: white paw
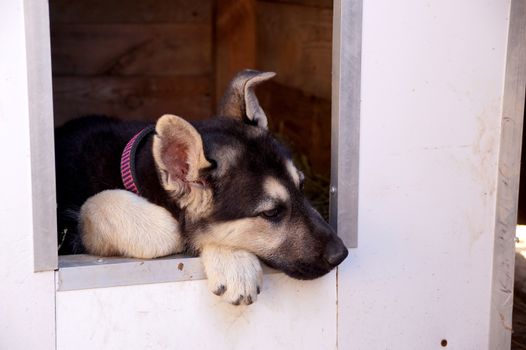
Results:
235 275
119 222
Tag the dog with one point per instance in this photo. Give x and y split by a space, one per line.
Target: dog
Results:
224 189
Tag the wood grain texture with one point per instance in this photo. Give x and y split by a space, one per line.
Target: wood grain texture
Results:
139 61
303 119
131 49
295 41
235 40
154 11
144 98
313 3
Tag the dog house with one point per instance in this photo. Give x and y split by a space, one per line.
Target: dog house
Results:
427 103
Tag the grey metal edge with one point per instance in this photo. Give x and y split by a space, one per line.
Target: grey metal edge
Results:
346 83
508 180
86 271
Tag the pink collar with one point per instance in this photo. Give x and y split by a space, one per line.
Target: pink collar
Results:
129 178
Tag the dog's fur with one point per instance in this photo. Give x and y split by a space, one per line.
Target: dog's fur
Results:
118 222
223 188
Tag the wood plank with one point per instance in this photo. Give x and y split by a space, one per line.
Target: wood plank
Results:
313 3
235 40
145 98
303 120
295 41
131 49
153 11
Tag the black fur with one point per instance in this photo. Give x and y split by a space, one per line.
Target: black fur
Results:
88 152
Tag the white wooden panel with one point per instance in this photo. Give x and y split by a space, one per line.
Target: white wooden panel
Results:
432 82
288 314
27 306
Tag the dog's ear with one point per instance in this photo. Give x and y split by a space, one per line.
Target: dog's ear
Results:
178 153
240 101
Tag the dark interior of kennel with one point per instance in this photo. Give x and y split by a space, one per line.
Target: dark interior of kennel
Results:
519 297
143 59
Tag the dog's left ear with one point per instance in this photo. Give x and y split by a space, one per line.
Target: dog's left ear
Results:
178 153
240 101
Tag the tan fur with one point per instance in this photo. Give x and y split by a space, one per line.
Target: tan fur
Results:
118 222
275 190
240 100
258 235
293 172
171 128
235 275
255 235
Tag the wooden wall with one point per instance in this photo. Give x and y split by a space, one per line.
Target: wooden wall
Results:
294 39
140 61
156 56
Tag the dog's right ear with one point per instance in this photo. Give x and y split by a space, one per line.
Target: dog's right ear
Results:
179 155
240 101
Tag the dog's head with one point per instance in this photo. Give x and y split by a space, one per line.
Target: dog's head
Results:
239 187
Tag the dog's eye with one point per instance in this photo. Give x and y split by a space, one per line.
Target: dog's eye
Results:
271 214
302 185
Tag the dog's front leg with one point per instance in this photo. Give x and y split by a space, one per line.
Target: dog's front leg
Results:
233 274
118 222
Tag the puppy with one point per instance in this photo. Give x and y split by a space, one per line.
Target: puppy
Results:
223 188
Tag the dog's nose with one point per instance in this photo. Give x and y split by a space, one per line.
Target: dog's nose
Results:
335 252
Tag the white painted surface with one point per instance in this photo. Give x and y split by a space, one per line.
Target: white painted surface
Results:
27 308
288 314
432 81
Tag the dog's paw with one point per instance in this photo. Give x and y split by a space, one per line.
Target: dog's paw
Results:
119 222
234 275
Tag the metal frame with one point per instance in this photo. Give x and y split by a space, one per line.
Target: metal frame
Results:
346 82
508 180
41 135
87 271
